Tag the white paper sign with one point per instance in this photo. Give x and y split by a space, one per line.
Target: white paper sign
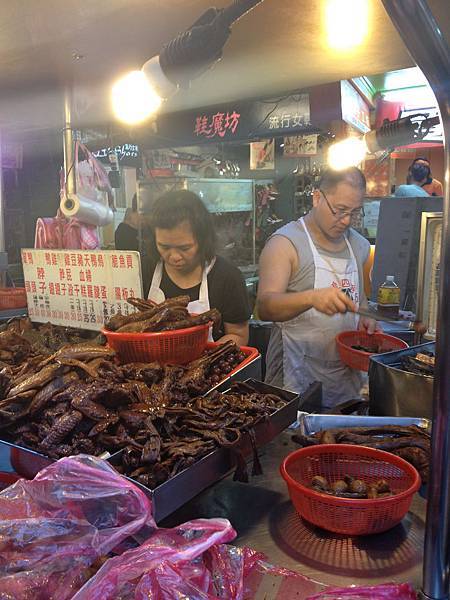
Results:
262 155
79 288
298 146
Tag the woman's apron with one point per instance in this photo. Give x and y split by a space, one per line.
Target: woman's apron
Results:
196 306
309 348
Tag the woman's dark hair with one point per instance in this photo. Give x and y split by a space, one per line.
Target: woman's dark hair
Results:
352 175
173 208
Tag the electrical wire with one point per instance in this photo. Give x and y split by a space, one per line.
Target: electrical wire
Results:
277 102
269 114
231 14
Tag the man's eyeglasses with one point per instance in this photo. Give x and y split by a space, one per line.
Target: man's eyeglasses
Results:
343 214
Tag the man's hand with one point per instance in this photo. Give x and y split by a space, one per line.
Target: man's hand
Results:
331 301
370 326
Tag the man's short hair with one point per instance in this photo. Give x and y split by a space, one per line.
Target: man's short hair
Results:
352 175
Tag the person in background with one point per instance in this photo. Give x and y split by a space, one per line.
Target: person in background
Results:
183 261
432 186
311 280
126 234
417 178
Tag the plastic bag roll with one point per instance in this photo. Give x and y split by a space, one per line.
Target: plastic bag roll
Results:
86 211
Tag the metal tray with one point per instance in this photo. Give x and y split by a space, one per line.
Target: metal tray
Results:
24 461
396 392
310 423
27 463
178 490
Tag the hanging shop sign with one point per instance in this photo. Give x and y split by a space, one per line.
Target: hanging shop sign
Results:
236 121
128 154
77 288
355 109
299 146
262 155
217 125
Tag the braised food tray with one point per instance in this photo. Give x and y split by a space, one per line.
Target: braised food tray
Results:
312 423
175 492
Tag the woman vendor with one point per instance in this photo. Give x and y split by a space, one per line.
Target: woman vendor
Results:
183 262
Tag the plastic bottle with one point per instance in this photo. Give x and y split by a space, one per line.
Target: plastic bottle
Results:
389 297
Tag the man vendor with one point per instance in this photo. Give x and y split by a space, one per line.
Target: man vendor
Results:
311 282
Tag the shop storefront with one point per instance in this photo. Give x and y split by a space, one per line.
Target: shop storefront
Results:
156 453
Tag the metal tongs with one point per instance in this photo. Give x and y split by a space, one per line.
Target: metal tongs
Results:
416 326
378 316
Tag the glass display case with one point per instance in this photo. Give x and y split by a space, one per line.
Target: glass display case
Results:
429 271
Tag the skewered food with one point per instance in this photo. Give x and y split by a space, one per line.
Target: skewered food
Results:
349 487
22 341
369 349
170 315
339 486
320 483
412 443
421 364
80 400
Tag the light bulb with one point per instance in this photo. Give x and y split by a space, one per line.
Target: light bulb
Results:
346 23
348 153
134 99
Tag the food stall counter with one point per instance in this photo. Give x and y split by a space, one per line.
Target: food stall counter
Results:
265 519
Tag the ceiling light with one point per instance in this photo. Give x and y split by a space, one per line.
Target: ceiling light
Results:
392 134
347 153
346 22
134 99
183 59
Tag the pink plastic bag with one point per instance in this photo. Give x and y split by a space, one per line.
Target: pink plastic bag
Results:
190 562
169 560
388 591
91 175
59 233
52 529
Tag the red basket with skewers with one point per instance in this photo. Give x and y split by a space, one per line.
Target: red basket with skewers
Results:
345 515
359 359
176 347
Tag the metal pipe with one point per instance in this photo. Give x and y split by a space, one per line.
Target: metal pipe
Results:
430 51
2 203
69 158
254 225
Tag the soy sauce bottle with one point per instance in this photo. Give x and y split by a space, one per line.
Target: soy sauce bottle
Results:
389 297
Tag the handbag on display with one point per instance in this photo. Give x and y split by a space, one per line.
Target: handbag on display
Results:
91 176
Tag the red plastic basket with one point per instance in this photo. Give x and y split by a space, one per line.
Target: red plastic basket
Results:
346 515
176 347
11 298
358 359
